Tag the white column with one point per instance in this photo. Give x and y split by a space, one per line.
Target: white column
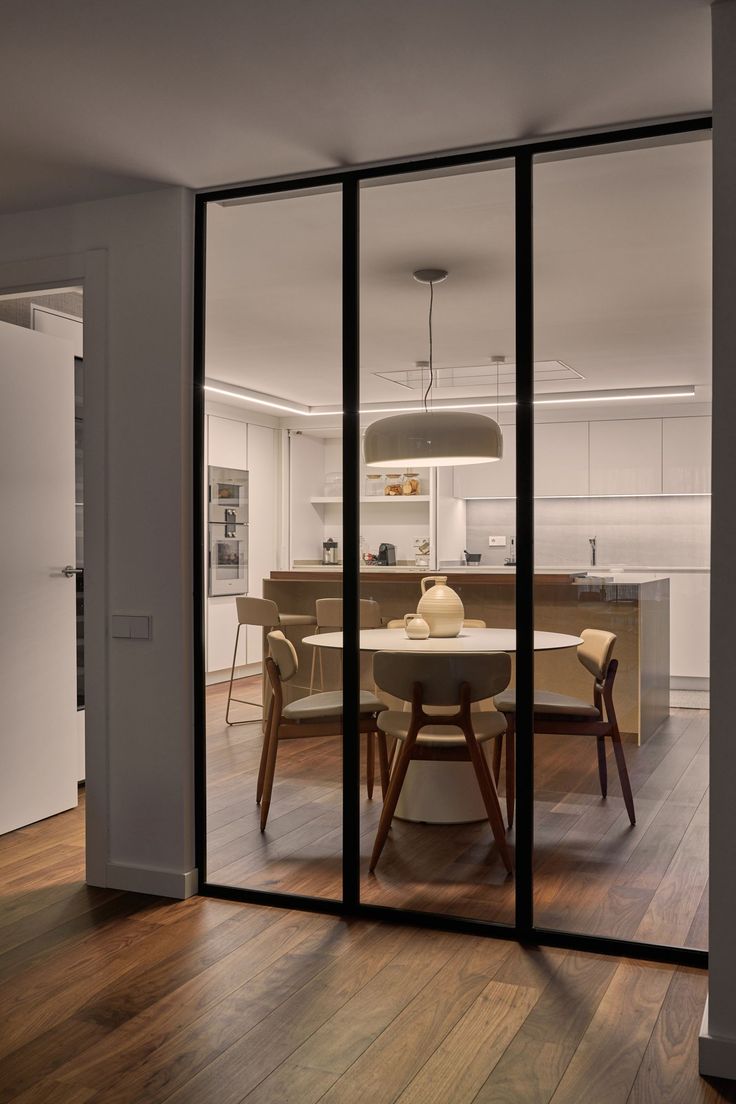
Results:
718 1036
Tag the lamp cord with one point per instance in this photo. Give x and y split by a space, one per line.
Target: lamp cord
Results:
431 364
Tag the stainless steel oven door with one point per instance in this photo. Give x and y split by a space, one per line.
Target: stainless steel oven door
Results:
228 560
228 496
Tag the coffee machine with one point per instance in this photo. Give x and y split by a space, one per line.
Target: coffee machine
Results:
386 555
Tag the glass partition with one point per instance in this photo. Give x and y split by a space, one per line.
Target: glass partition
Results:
437 340
622 540
272 353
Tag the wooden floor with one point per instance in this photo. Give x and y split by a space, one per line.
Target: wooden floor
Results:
112 998
594 873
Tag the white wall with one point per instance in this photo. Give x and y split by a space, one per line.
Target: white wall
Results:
134 255
718 1038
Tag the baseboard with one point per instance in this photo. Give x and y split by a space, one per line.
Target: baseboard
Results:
248 669
687 682
717 1057
148 879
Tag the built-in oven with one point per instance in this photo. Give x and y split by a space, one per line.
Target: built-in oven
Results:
228 531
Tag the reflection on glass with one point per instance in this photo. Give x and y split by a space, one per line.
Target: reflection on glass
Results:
438 842
622 542
273 351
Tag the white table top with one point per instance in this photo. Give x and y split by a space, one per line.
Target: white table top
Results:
469 640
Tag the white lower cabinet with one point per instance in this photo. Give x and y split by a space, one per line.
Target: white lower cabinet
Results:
690 625
222 621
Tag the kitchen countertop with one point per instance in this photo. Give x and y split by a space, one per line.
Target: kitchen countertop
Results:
502 575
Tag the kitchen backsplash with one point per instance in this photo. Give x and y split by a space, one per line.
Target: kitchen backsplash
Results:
657 531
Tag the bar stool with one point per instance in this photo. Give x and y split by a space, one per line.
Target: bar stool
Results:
263 613
329 619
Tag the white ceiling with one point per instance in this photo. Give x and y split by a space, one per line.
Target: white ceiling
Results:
101 98
622 256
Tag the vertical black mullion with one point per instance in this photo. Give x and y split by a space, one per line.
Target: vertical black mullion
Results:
525 545
350 541
198 595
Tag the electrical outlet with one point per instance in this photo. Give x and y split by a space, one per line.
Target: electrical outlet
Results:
497 542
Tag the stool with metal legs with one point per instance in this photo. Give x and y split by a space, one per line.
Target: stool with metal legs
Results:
263 613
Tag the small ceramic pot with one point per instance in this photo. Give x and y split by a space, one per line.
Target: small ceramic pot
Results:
416 627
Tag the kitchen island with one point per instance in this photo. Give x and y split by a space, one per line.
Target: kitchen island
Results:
633 606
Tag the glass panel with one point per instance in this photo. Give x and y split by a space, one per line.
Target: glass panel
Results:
420 519
622 542
273 351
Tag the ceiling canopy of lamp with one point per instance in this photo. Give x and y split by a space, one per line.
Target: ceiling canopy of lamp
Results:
432 437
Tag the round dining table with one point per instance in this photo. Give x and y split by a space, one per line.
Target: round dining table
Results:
441 792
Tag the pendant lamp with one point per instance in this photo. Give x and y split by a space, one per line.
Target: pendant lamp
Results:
432 438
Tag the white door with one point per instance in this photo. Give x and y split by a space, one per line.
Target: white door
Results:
38 757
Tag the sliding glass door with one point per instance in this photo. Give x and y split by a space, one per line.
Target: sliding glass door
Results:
452 425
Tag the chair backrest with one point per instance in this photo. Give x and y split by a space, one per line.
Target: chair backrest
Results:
441 674
329 613
283 653
257 611
596 651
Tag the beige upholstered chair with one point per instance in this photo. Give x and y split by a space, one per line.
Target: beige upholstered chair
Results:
562 715
329 619
316 715
442 679
265 614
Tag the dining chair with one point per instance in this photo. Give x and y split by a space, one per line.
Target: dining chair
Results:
560 715
329 619
441 680
265 614
316 715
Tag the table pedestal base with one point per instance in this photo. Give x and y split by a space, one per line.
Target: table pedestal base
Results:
441 793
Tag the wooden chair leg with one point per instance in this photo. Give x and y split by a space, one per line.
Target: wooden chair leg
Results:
394 789
383 762
273 746
602 765
490 797
623 774
370 766
510 769
497 749
264 755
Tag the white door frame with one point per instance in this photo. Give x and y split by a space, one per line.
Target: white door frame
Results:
88 269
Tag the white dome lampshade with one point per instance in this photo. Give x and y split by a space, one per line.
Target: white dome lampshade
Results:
433 438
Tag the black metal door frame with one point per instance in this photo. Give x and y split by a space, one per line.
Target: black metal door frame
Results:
349 182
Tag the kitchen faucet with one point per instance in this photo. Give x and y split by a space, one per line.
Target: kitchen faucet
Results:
593 550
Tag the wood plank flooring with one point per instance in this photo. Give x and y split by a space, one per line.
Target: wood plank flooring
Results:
113 998
594 873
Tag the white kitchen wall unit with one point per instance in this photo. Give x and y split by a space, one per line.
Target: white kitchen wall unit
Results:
234 443
561 459
228 443
494 480
686 455
262 513
689 627
626 457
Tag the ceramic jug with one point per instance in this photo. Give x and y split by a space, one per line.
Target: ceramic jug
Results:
416 627
440 607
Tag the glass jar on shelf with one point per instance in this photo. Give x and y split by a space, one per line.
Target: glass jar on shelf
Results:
332 486
394 484
373 484
411 484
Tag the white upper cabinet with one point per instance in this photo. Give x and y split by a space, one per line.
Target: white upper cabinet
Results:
686 455
560 459
494 480
626 457
262 514
228 443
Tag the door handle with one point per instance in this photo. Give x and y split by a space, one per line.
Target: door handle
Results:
70 571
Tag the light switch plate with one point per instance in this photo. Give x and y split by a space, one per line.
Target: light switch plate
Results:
497 542
131 626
